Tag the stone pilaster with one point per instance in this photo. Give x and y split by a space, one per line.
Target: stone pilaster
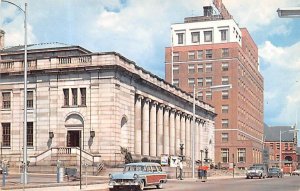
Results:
138 126
153 125
160 129
177 132
182 131
166 130
188 136
172 131
146 127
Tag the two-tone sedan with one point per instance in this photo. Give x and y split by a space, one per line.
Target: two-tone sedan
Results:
138 175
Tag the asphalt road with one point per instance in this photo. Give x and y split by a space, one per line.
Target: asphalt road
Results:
241 184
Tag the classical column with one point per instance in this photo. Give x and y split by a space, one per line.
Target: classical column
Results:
197 138
188 136
201 134
177 132
166 130
172 131
160 130
153 128
145 128
138 125
182 132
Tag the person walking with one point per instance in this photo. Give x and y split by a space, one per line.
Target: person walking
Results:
180 170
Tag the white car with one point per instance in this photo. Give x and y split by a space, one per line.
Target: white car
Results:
296 172
256 171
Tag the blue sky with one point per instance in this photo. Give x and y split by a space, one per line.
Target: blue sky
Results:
140 30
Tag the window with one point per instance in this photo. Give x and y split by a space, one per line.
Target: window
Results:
271 145
191 82
200 95
208 95
175 69
6 100
74 96
200 82
191 68
225 52
208 53
195 37
286 146
242 155
225 80
83 96
225 155
180 38
224 137
200 54
278 146
225 108
224 35
29 99
191 55
66 97
207 36
175 56
208 67
225 123
200 68
6 134
225 66
30 134
208 81
176 83
277 157
225 94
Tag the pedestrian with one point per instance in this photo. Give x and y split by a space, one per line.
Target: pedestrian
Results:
180 170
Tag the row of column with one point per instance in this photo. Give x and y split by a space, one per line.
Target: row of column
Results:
160 129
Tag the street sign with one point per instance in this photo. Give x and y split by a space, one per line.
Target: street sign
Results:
174 161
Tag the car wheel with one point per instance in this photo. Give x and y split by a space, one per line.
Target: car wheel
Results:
159 186
247 177
251 177
111 189
260 176
142 185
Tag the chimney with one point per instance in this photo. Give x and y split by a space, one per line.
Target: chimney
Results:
2 33
207 10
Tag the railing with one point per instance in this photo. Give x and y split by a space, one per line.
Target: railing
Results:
6 65
75 60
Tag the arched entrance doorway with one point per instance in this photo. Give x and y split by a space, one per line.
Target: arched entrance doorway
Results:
74 125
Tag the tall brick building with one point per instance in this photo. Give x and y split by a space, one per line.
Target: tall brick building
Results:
213 50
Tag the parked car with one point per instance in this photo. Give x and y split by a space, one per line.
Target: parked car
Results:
256 171
296 172
138 175
275 172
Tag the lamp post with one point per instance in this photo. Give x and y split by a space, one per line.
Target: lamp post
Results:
212 88
292 12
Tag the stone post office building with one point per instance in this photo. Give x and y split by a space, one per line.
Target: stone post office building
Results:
99 101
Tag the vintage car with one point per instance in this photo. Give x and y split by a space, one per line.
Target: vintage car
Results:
296 172
256 171
138 175
274 172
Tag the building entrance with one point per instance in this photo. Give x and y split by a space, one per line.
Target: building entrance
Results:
73 138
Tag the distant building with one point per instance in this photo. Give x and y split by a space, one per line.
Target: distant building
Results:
99 101
213 50
298 157
288 151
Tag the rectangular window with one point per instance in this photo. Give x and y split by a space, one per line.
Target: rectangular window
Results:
180 38
195 37
225 123
200 68
225 108
191 82
207 36
224 137
191 55
66 97
277 157
176 83
30 134
200 82
208 81
29 99
225 52
224 35
200 54
242 155
83 96
225 155
278 146
208 95
191 68
286 146
200 95
225 80
225 66
74 96
225 94
271 145
6 134
208 67
208 54
175 56
175 69
6 100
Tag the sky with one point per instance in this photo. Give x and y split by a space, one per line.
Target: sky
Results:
140 31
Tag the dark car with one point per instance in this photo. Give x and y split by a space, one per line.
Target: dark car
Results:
274 172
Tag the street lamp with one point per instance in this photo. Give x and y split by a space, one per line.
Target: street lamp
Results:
212 88
24 175
292 12
281 132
